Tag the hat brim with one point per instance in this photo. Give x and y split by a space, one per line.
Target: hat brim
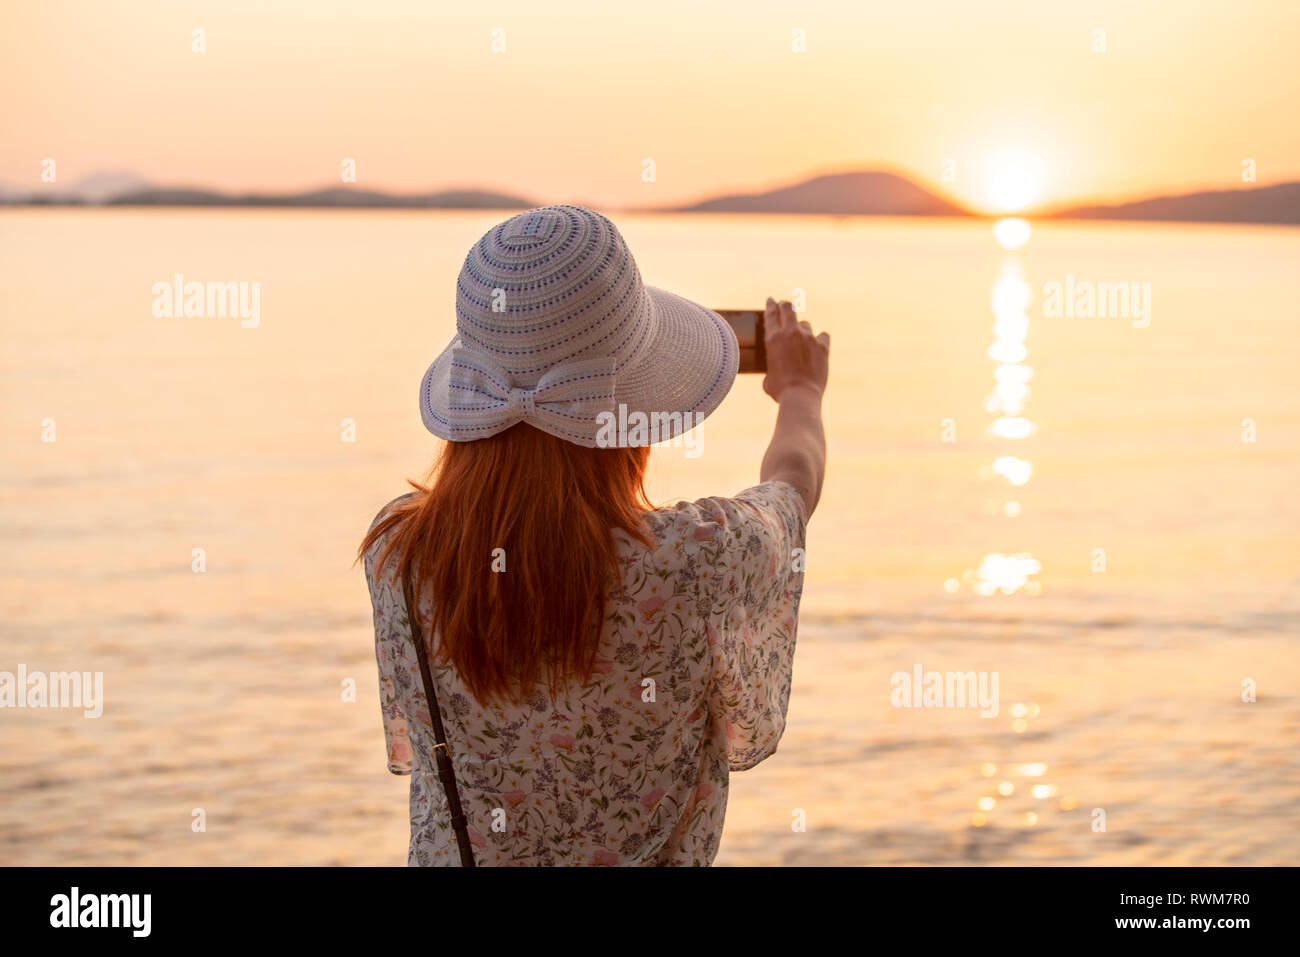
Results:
678 378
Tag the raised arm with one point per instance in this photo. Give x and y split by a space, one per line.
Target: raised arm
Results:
797 364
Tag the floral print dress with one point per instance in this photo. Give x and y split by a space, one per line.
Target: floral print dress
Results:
691 682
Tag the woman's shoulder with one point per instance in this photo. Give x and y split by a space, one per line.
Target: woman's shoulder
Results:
378 542
774 504
750 537
390 506
773 497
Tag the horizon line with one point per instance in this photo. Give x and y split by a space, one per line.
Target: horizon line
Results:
672 206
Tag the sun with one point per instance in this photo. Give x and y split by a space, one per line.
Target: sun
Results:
1012 178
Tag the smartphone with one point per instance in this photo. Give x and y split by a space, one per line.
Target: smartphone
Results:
747 324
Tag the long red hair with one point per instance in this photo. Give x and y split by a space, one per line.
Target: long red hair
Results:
551 507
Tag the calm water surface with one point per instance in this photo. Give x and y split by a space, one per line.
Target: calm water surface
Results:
1151 555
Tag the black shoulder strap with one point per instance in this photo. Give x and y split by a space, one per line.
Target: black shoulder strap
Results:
442 753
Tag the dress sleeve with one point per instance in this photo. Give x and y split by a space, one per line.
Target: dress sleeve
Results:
391 654
752 577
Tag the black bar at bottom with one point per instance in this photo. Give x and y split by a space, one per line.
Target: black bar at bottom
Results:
334 906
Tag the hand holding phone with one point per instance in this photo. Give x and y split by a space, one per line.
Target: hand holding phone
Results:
797 358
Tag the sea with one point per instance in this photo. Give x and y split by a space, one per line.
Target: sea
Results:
1063 454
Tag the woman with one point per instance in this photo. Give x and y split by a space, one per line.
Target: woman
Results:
598 665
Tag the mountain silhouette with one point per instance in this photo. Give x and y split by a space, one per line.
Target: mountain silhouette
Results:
866 193
99 187
1261 204
861 193
334 197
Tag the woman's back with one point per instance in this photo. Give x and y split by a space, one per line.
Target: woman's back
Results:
691 680
598 666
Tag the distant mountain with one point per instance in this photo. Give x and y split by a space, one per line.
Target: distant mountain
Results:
336 197
1261 204
864 194
95 188
99 187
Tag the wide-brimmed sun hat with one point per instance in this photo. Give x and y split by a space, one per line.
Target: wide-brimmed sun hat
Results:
555 328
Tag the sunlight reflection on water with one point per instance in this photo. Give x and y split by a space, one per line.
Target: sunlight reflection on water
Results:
1013 799
1012 232
1009 300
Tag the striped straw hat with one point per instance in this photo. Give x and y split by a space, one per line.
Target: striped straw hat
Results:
555 328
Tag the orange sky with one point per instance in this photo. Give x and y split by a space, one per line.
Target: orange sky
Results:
711 91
